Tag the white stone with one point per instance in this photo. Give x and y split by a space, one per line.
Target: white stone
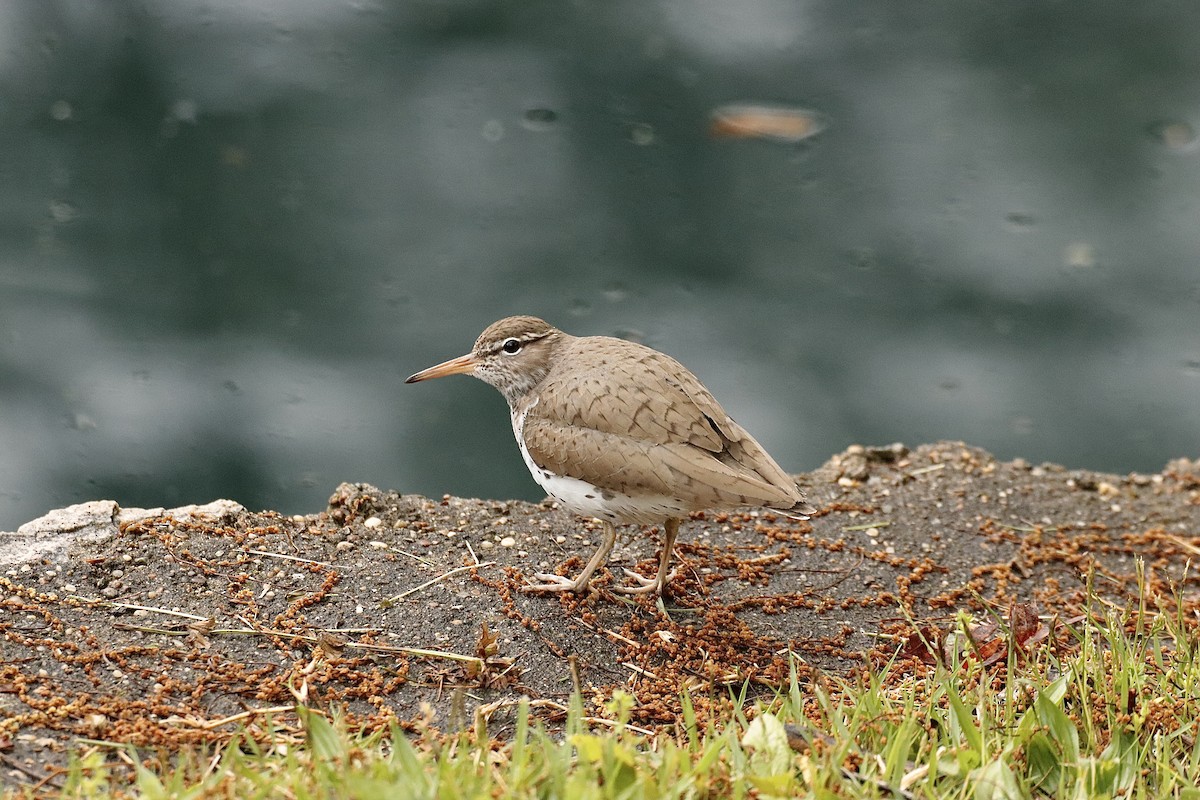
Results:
96 520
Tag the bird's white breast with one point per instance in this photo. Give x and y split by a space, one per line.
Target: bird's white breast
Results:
581 497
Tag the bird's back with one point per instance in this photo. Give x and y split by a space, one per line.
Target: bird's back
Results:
629 419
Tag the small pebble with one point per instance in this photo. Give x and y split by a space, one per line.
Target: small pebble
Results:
508 541
372 522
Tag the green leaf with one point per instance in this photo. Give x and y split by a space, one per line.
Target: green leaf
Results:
1062 730
148 783
996 781
1043 763
767 738
589 747
323 740
780 785
1057 690
967 728
1121 756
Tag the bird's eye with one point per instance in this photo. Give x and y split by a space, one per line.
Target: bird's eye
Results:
511 346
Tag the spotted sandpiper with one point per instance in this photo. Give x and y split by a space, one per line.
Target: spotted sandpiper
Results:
618 431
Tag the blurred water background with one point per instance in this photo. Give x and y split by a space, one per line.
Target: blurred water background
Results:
230 228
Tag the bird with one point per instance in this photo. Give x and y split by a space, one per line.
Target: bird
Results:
618 431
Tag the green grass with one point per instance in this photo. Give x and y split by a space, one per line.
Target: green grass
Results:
1107 707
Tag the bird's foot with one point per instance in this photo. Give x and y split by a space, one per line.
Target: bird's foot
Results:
554 583
645 585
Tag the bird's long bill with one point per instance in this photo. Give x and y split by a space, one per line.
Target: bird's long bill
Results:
463 365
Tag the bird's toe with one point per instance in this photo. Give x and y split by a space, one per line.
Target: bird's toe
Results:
644 585
553 583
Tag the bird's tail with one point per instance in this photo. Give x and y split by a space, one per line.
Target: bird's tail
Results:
800 511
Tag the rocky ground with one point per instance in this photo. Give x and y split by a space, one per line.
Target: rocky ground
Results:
163 628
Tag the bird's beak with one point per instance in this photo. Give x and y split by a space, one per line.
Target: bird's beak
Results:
462 365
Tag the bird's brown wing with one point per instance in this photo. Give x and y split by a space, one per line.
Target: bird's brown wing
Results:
625 388
647 402
615 463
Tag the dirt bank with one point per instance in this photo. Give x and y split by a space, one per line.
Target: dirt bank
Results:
163 628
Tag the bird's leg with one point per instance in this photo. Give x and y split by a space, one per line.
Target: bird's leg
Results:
655 586
557 583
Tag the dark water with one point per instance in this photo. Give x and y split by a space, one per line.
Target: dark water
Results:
228 231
